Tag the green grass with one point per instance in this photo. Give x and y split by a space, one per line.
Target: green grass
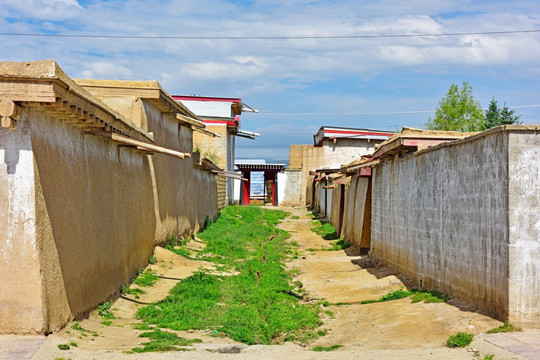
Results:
63 346
180 251
326 348
126 289
147 278
393 295
177 246
163 341
74 344
106 322
431 296
324 229
77 326
506 327
257 306
461 339
488 357
105 310
295 217
152 260
141 326
339 245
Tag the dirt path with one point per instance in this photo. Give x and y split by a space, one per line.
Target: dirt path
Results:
389 330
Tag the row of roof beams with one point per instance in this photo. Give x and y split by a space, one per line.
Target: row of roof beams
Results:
43 83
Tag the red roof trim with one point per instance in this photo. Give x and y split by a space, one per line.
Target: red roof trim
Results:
205 98
357 132
220 122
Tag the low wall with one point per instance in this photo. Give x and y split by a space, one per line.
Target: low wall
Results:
80 214
289 185
462 217
357 211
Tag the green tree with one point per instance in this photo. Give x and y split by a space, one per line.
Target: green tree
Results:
496 116
457 111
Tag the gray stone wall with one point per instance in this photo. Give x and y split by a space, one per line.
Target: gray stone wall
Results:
441 217
524 226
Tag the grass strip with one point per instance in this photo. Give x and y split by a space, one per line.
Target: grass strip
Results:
146 278
506 327
324 229
257 306
461 339
326 348
393 295
163 341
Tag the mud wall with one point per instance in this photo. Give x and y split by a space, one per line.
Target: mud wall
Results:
81 213
459 217
354 223
329 156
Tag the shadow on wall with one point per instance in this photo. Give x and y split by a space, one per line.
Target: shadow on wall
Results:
96 220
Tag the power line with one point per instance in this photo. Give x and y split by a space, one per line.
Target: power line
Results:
295 37
375 112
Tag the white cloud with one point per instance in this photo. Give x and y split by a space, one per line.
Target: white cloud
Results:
105 70
53 10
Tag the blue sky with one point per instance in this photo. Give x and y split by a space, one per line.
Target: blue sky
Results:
297 85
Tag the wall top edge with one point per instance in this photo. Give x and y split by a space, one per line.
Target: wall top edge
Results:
48 72
522 128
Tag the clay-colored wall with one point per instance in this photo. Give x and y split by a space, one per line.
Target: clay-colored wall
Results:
355 226
329 156
335 213
81 214
216 147
21 290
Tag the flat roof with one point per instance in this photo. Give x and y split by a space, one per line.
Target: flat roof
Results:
333 132
205 98
260 167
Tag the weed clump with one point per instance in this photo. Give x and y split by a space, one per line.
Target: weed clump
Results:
506 327
326 348
461 339
163 341
105 310
394 295
324 229
431 296
146 278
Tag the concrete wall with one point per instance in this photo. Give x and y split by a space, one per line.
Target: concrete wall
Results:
524 226
338 202
80 214
289 185
463 218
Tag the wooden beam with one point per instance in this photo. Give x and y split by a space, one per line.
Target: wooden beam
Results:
140 144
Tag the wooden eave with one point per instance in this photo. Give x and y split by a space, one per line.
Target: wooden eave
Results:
147 90
57 94
403 144
43 84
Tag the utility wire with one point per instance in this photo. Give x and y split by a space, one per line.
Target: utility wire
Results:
376 112
296 37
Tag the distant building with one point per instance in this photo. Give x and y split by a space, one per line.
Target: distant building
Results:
333 147
221 117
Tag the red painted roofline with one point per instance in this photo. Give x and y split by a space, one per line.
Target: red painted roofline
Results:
205 98
357 132
220 122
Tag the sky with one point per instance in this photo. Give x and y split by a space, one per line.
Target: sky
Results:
297 84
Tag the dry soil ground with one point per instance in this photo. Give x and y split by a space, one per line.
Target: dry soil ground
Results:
390 330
